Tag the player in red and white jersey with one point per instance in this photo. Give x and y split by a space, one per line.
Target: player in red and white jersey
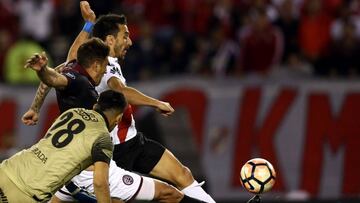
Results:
126 129
134 151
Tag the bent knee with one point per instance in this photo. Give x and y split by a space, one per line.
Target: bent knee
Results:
184 178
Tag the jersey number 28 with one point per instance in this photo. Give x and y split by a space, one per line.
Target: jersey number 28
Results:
64 136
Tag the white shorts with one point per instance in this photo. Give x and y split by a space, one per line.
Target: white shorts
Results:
123 184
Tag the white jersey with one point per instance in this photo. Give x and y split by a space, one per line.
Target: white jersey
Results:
125 130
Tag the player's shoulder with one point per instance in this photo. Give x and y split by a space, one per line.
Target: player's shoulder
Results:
113 67
69 70
88 116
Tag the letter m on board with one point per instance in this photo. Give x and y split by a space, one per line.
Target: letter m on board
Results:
342 130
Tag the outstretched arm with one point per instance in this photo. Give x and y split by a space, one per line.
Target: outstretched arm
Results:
135 97
89 17
31 117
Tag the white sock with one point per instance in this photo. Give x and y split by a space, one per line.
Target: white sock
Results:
195 191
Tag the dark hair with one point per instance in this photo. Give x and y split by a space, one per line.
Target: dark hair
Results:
91 51
108 25
111 100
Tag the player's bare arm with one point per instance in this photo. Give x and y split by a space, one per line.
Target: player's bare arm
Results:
135 97
88 16
101 181
31 117
47 75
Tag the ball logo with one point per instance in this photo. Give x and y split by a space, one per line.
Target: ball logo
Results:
128 180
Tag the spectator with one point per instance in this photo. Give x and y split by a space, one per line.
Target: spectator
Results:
8 31
344 57
314 30
345 15
288 24
261 45
223 53
15 59
35 19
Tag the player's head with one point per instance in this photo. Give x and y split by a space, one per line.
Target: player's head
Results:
113 30
112 104
92 55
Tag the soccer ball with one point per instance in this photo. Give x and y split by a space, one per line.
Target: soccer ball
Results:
257 176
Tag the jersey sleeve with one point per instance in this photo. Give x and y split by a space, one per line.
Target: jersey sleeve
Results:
71 78
102 149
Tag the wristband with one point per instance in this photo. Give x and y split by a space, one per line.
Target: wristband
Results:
88 26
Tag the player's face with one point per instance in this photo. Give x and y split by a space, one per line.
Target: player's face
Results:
100 69
123 42
115 122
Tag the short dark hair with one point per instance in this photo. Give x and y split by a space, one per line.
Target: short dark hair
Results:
108 25
111 100
91 51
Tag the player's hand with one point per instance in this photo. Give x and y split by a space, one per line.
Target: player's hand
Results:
86 12
255 199
37 61
165 108
31 117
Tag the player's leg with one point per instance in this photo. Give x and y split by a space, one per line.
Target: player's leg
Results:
157 161
171 169
152 189
126 186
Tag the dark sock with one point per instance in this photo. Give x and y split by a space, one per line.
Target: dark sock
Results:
187 199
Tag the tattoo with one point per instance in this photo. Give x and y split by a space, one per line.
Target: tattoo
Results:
42 92
40 96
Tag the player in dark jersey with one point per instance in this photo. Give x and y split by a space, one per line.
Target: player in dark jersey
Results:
75 87
77 139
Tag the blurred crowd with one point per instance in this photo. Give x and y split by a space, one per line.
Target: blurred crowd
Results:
212 38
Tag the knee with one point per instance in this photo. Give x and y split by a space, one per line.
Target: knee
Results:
184 177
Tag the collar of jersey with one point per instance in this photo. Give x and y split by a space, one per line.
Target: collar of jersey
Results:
83 72
113 60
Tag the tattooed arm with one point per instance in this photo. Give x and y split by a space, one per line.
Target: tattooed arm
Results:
31 117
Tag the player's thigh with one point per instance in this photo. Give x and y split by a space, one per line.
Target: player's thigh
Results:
149 154
171 169
148 191
124 185
153 189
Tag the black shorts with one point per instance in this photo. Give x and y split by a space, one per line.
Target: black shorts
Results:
139 154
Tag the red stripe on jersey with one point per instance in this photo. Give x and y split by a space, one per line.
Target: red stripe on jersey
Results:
124 124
